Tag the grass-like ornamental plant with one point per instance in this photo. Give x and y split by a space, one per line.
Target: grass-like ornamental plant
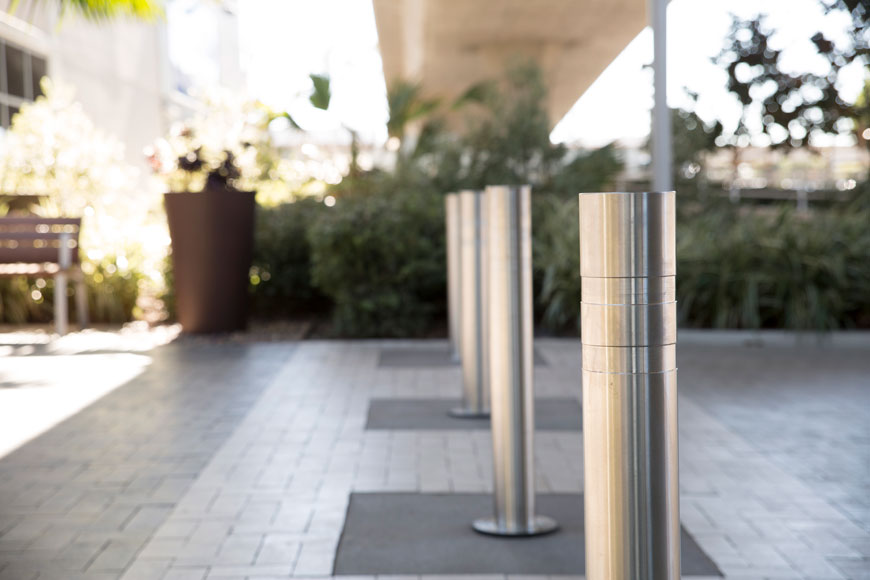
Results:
779 269
737 267
556 262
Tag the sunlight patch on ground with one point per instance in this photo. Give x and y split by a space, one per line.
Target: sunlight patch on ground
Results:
41 339
38 392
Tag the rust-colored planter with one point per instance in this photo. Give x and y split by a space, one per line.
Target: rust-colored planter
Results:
212 235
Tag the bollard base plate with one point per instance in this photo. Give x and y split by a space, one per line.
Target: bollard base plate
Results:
541 525
463 413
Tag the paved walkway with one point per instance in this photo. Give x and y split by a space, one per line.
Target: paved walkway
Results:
238 461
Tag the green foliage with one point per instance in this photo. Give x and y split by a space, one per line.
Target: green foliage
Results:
735 269
786 270
592 171
281 272
791 105
225 145
556 262
861 114
55 162
378 255
112 295
692 140
167 295
17 306
104 10
108 9
511 142
483 93
381 261
321 95
406 105
506 140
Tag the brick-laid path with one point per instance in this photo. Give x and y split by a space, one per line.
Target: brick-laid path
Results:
238 462
83 499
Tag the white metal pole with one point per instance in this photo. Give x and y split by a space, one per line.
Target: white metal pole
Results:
662 155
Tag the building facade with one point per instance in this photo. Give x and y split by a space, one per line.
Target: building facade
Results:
132 78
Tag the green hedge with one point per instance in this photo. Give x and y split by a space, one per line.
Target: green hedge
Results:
378 260
281 273
756 268
381 260
112 296
556 262
774 270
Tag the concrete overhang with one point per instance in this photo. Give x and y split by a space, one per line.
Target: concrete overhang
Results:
448 45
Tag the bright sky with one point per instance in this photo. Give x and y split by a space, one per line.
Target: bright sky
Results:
282 41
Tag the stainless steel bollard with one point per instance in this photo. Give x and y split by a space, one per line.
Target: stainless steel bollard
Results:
454 244
509 240
61 315
473 306
628 326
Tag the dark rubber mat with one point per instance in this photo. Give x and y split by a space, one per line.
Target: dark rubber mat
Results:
408 533
551 414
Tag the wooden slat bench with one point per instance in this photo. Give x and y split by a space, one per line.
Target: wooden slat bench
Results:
35 246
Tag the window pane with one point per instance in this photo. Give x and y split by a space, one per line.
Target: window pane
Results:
14 71
4 116
38 68
12 112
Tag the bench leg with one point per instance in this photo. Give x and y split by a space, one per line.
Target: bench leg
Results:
82 302
61 317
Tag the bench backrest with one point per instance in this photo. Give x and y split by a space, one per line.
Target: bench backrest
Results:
35 240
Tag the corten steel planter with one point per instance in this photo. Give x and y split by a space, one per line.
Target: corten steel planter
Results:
212 235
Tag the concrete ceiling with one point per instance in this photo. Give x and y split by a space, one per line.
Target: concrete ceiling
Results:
449 45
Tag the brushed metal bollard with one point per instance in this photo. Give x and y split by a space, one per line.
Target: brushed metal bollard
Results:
628 328
454 245
61 314
511 361
473 307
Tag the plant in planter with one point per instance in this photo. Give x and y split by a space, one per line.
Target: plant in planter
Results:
209 166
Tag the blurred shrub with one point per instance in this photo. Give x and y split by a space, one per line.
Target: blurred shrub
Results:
780 270
55 154
556 262
112 295
593 170
381 260
18 304
281 273
167 293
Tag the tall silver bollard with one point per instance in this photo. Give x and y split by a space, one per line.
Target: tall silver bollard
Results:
454 245
61 316
509 240
473 306
628 326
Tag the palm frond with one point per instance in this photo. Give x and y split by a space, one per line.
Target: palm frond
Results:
103 10
481 93
406 104
322 94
